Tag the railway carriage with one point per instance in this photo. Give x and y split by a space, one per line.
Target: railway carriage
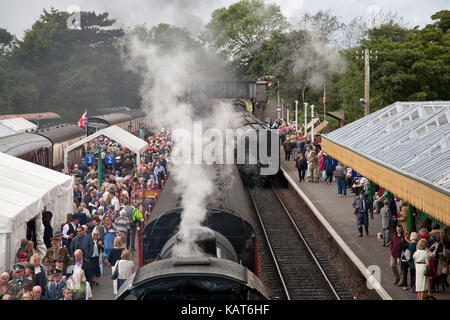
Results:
61 137
28 146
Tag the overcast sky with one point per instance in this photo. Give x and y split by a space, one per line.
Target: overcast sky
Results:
19 15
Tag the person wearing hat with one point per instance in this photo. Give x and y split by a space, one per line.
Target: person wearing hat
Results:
29 272
59 262
69 230
362 206
55 286
58 235
22 258
19 278
57 250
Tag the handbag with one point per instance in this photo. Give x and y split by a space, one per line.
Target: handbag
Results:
324 175
116 271
428 271
355 211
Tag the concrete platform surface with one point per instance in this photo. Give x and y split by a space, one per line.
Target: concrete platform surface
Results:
338 212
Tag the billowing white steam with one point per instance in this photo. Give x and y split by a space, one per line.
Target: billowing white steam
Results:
168 77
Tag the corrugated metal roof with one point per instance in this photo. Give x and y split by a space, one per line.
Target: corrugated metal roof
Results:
15 125
412 137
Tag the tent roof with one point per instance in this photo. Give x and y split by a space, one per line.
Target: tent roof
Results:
117 134
15 125
410 137
25 189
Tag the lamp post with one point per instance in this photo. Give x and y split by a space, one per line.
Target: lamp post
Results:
287 113
312 123
278 100
306 115
296 116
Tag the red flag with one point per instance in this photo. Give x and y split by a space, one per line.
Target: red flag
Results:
270 84
83 120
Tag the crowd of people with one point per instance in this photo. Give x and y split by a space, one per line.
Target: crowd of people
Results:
422 252
101 230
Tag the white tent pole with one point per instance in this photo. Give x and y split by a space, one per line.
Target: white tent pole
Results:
138 159
66 169
8 251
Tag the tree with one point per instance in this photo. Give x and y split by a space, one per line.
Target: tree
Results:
7 42
323 25
412 65
444 20
237 31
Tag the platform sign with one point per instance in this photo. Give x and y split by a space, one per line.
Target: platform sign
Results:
89 159
109 159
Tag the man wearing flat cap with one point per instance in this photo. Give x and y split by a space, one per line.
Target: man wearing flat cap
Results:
19 278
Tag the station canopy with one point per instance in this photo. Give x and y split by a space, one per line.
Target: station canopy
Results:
26 189
117 134
405 148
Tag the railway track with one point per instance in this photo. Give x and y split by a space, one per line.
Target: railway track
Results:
299 269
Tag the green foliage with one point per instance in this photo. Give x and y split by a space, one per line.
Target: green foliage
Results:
66 70
237 31
412 65
444 20
7 42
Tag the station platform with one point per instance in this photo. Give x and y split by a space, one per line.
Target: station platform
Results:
336 213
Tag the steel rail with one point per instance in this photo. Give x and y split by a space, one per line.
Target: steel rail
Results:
307 245
270 247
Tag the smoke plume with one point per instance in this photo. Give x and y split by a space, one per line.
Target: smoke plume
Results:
173 94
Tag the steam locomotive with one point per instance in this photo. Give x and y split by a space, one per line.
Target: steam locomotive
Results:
46 146
227 267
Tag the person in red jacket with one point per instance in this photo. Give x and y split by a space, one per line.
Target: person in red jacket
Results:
396 239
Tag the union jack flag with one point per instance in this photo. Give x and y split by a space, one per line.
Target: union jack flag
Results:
82 123
269 84
324 95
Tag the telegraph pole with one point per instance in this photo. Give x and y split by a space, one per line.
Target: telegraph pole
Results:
367 56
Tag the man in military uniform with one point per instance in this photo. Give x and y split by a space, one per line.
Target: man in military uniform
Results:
362 206
55 286
314 166
57 250
19 278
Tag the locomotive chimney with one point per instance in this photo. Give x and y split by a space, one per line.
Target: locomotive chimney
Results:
205 239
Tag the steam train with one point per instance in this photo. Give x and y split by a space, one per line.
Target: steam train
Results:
227 267
46 146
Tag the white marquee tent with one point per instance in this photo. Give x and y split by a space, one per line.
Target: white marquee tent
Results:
117 134
15 125
26 189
